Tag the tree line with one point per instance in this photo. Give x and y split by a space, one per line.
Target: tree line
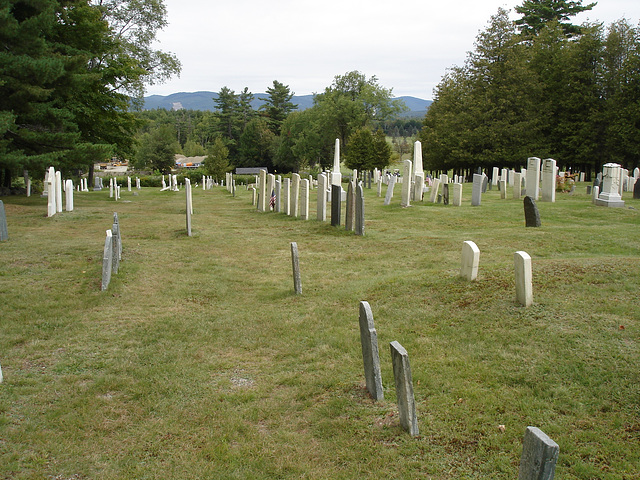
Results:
539 86
355 109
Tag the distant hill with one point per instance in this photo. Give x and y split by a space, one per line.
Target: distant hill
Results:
204 101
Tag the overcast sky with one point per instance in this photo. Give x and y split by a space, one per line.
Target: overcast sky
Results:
407 44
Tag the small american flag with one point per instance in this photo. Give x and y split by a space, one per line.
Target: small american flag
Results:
272 200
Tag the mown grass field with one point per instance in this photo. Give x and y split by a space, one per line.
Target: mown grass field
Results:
199 361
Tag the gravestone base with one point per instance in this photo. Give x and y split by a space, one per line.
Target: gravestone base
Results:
610 202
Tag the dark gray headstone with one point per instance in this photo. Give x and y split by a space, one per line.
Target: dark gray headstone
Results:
539 456
404 389
359 227
485 183
636 190
531 213
369 175
115 220
479 171
370 356
4 233
350 214
439 198
588 189
336 204
445 194
115 263
295 263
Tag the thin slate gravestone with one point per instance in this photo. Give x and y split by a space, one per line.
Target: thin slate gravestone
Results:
445 194
539 456
531 213
370 356
636 190
336 201
115 220
350 215
295 263
4 233
359 210
404 388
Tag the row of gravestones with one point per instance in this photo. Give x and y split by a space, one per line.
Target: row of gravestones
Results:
112 254
292 197
539 452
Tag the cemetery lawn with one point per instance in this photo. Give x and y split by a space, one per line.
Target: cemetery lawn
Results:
199 361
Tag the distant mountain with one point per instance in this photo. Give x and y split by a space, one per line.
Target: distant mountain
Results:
204 101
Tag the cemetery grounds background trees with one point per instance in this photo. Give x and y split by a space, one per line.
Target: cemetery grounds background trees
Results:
69 70
551 90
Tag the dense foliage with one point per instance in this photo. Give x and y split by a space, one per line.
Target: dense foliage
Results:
539 87
68 71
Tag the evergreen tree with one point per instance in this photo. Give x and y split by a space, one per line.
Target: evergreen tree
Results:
538 13
278 105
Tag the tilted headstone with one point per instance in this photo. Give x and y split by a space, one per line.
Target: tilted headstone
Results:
524 286
404 388
539 456
107 261
359 226
485 183
433 194
470 260
476 191
389 195
336 204
370 355
4 232
531 213
533 177
295 263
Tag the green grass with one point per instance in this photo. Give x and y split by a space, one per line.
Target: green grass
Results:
200 362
